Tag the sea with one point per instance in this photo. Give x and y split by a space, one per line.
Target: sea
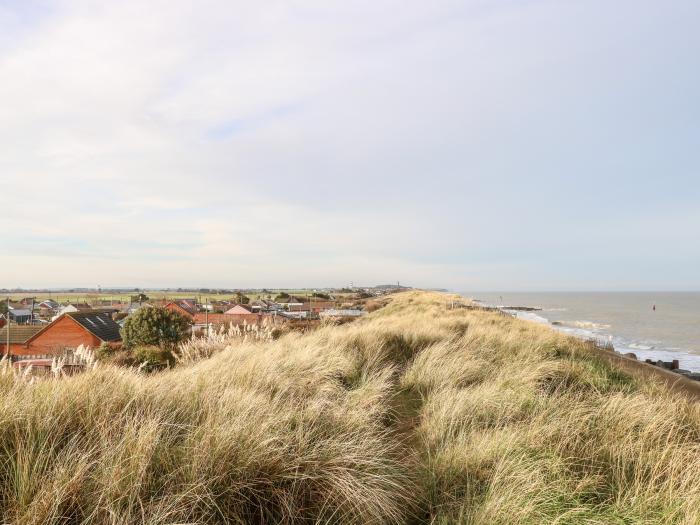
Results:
652 325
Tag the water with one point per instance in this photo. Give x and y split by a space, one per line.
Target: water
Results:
626 319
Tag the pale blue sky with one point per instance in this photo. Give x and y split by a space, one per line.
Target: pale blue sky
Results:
523 145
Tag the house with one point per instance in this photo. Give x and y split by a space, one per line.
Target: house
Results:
240 309
19 335
48 307
191 304
182 307
202 320
311 304
69 331
264 305
71 308
20 315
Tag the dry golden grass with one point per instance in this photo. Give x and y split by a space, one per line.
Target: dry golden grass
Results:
414 414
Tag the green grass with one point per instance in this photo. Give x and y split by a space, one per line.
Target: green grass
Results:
64 297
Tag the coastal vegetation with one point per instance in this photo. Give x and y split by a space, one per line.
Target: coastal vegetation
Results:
154 326
416 413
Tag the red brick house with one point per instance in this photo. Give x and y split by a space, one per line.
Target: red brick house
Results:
69 331
19 335
182 307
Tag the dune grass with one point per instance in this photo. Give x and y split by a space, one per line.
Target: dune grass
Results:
413 414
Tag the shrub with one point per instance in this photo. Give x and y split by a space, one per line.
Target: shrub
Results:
123 358
104 351
155 327
153 355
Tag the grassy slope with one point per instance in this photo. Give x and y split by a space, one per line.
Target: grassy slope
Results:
414 414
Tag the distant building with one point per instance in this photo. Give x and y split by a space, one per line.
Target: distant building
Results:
264 305
48 308
182 307
311 304
240 309
71 308
20 315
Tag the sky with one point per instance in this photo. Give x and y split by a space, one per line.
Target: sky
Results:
470 145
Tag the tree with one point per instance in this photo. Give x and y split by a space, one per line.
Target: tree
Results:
140 298
155 326
282 296
241 299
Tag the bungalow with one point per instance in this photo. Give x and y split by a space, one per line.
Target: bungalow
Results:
202 320
71 308
19 335
69 331
20 315
182 307
240 309
312 305
48 307
264 305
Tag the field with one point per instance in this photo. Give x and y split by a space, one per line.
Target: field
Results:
125 296
414 414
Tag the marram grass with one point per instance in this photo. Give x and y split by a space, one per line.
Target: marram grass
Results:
414 414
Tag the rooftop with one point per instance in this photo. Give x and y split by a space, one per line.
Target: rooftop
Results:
19 334
99 324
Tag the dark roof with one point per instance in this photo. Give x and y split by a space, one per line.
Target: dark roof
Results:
182 306
80 306
19 334
100 324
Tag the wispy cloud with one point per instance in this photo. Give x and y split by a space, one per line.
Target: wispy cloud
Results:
465 144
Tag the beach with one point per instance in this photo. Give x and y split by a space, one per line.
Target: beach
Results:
652 325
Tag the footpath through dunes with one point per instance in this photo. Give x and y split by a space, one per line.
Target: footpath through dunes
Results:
414 414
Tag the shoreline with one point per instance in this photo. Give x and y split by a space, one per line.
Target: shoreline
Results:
644 370
621 320
587 331
677 380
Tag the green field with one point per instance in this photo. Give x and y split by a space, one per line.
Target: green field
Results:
89 297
